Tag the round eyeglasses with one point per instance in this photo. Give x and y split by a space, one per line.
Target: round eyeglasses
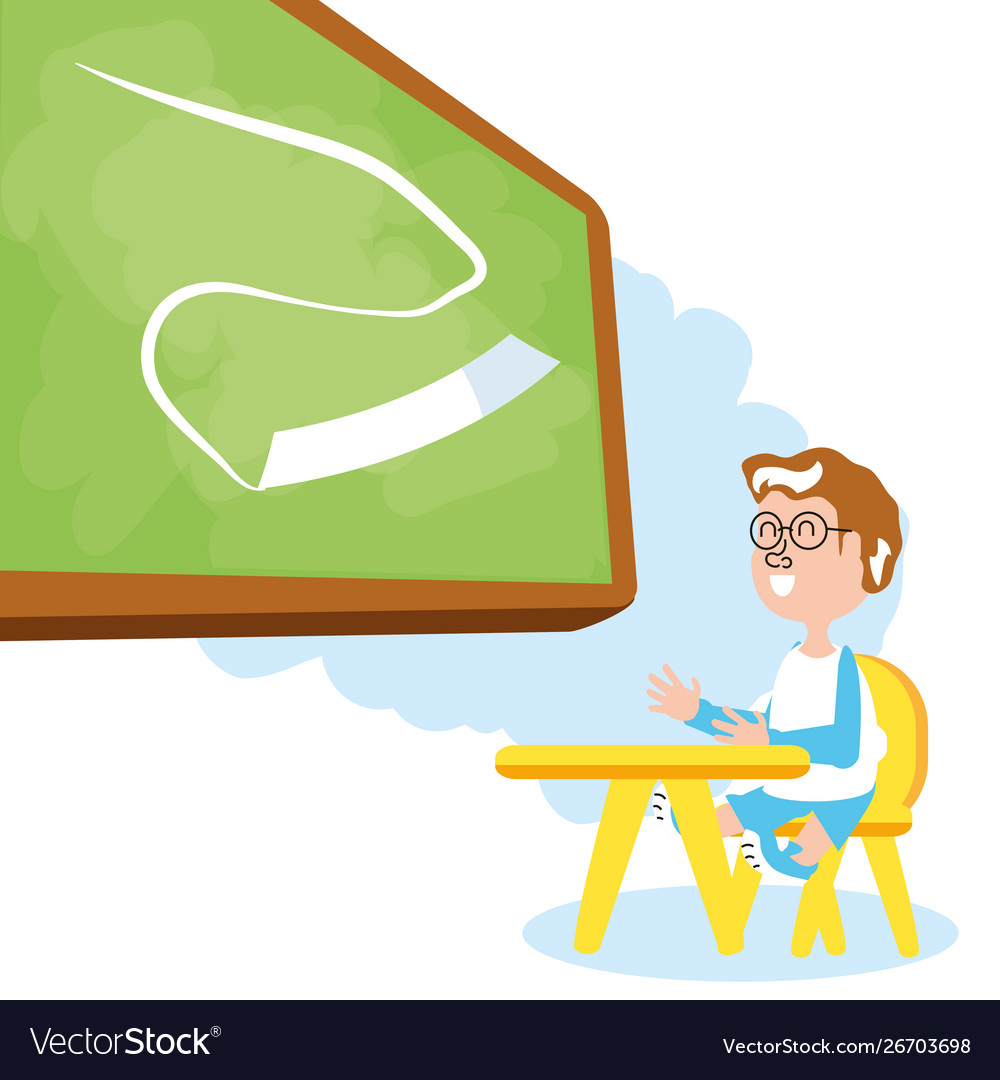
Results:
807 530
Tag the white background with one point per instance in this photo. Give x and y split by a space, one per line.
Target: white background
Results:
825 175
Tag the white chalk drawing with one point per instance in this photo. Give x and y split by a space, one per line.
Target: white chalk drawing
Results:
385 431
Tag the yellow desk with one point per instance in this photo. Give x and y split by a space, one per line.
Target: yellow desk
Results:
685 772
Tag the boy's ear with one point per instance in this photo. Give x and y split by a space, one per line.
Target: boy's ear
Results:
852 545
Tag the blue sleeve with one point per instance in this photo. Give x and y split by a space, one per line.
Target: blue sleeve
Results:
838 743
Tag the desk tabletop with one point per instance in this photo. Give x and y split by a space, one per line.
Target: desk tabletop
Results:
651 762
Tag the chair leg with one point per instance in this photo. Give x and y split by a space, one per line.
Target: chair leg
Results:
623 812
883 855
819 911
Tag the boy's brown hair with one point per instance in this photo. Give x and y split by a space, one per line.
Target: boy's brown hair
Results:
862 503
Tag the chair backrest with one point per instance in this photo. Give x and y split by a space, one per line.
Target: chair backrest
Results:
900 713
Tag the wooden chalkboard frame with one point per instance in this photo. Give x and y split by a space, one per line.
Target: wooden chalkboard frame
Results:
50 604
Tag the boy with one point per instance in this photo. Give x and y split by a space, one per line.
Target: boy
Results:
826 534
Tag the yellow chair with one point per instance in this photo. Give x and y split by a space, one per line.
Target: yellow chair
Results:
900 713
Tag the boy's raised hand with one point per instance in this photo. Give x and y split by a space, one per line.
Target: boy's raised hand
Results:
673 697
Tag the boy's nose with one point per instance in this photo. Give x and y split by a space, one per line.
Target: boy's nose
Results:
776 558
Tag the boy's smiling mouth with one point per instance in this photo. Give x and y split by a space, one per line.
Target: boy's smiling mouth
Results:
782 583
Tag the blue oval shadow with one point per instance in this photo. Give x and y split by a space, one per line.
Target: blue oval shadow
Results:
664 934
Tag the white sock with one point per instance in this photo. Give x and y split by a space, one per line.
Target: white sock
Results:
750 850
661 807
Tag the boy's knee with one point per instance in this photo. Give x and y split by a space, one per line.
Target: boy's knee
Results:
729 823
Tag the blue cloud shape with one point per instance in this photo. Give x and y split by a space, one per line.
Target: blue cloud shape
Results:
696 607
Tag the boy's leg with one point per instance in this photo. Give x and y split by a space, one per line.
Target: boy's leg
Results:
756 815
813 841
829 825
729 823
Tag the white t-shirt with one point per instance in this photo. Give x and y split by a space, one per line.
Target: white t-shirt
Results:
805 696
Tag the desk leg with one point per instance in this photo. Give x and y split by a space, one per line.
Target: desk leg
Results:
695 813
623 812
746 882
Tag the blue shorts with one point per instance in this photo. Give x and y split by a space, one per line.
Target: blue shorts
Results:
761 812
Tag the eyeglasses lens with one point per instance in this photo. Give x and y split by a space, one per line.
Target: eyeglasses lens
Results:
765 531
808 530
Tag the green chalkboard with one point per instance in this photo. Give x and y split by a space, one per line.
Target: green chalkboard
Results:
126 180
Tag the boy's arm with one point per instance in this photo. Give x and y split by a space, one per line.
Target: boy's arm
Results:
707 712
674 699
838 743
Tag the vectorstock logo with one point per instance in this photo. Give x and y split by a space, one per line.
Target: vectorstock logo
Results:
136 1041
